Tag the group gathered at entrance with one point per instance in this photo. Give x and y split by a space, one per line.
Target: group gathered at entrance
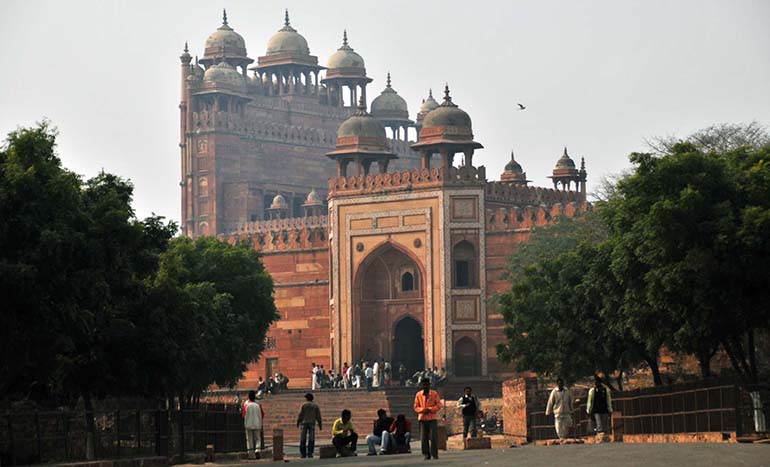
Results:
389 435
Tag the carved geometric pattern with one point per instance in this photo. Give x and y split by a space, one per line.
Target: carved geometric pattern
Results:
465 208
465 309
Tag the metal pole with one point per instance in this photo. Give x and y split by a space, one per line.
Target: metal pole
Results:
117 433
138 431
37 436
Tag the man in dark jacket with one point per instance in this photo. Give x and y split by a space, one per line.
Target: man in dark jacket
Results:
599 407
381 427
308 416
470 406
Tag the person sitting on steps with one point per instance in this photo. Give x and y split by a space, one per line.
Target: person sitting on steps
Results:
379 433
344 434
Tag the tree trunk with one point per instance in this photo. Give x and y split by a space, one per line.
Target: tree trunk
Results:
752 358
652 362
734 361
90 427
704 361
619 380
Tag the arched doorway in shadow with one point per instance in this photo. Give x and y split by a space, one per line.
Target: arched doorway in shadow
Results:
466 357
389 286
408 346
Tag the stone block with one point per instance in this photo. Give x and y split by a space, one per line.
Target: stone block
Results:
277 444
327 452
442 437
477 443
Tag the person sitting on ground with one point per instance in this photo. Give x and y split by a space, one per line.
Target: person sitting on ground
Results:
379 432
344 433
261 387
441 376
399 434
270 385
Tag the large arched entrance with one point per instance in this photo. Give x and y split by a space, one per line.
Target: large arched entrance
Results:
389 288
408 346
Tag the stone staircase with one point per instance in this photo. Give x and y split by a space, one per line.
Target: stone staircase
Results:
281 409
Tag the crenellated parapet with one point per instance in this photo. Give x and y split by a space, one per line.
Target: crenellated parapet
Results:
407 180
530 195
503 219
260 129
296 233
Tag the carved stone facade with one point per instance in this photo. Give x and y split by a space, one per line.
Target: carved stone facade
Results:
403 264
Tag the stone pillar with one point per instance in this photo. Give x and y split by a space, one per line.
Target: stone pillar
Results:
277 444
468 157
426 156
446 159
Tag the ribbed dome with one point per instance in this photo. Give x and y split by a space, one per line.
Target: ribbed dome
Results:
447 115
513 167
389 105
429 103
361 124
565 162
287 41
225 42
313 199
279 202
223 74
345 56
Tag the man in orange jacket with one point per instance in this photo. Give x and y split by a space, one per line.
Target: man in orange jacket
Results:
427 403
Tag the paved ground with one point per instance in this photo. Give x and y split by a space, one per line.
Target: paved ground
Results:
594 455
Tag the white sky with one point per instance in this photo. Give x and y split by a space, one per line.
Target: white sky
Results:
596 76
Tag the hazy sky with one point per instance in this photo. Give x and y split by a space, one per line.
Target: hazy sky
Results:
596 76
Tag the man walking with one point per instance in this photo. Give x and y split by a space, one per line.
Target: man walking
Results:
308 416
344 433
599 406
470 406
376 374
401 374
313 377
252 415
560 405
427 405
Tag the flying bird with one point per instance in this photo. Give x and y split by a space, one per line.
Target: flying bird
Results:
521 107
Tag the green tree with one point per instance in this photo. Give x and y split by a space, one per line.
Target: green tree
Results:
214 303
689 231
39 208
97 302
562 319
563 234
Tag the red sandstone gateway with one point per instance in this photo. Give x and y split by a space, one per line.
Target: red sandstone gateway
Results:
390 247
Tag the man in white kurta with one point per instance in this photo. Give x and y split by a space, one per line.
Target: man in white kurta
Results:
253 415
376 374
560 405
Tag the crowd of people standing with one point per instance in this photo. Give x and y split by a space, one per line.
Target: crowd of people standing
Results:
372 375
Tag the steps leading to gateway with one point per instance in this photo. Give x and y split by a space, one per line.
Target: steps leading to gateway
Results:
281 409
